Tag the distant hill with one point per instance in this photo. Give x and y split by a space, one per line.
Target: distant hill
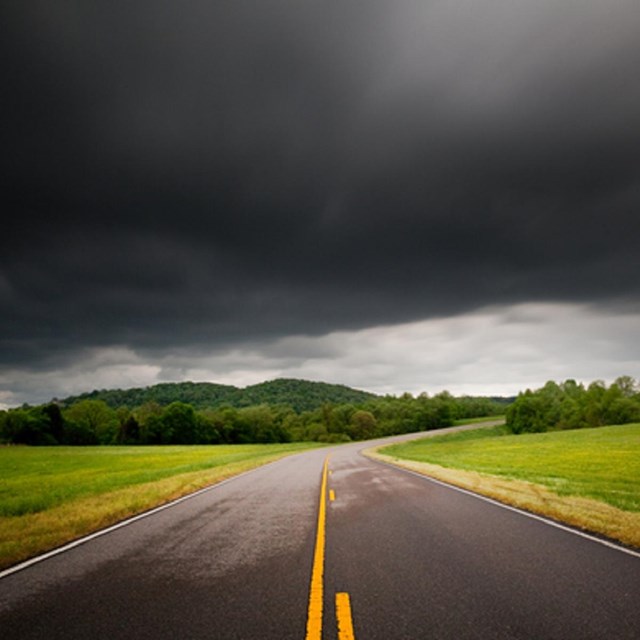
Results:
301 395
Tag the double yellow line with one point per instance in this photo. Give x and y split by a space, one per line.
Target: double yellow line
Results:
316 592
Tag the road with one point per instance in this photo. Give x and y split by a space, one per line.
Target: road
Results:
413 559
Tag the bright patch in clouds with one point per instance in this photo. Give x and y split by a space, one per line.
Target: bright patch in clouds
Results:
495 351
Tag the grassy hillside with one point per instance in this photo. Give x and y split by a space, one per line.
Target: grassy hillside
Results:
301 395
588 477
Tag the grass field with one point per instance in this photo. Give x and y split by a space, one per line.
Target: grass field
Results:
588 477
499 418
51 495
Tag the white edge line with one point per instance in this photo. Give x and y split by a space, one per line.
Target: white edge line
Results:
124 523
534 516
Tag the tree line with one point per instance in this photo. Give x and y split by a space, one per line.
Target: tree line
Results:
91 421
571 405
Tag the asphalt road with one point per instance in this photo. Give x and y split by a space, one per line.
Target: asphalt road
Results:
417 560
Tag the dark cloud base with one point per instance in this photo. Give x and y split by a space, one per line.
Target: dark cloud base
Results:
205 173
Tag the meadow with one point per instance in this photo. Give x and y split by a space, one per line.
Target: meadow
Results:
589 478
51 495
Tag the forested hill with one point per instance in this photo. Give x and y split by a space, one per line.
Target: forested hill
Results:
300 395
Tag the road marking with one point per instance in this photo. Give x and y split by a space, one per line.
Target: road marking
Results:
332 495
316 591
343 615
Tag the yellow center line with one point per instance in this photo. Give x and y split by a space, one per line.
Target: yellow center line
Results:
332 495
343 615
314 615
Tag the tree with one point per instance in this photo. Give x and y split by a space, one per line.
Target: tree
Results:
526 414
55 421
594 404
179 424
128 427
362 426
25 426
209 426
95 417
340 419
571 406
628 386
147 416
316 432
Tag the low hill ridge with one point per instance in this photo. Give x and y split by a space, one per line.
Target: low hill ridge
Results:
301 395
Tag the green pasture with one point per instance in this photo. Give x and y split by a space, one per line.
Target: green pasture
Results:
34 479
601 463
464 421
51 495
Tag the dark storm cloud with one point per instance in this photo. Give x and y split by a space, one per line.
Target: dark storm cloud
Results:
184 173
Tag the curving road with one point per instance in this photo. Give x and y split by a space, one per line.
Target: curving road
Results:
411 558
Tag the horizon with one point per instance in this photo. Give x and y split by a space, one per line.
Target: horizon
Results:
398 394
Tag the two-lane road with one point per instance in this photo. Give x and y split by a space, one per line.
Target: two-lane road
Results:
414 559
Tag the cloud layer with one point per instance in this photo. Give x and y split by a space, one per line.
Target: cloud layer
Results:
493 351
196 177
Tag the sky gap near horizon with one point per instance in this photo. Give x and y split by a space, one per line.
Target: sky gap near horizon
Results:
397 196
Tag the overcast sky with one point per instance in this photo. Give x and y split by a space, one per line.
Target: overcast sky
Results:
404 195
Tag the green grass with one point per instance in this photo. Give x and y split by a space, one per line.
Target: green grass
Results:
479 420
602 464
51 495
34 479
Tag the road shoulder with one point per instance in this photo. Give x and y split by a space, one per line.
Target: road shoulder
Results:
582 513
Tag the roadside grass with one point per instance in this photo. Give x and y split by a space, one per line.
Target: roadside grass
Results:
496 418
52 495
589 478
